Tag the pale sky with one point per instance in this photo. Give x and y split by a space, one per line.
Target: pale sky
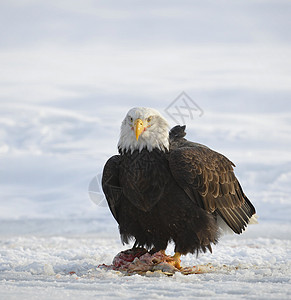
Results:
64 53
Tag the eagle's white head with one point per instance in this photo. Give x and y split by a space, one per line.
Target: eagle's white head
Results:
143 128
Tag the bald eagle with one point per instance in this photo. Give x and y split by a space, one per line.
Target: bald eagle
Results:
163 188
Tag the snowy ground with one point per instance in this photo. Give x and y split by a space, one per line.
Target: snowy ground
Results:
70 72
49 267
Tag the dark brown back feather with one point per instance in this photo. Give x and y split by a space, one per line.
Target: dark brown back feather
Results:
208 179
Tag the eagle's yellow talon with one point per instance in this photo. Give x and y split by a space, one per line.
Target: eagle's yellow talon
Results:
177 260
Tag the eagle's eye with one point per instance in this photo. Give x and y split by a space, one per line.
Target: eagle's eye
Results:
149 119
130 119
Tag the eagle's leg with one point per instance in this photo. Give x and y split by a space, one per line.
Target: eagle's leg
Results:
135 245
177 260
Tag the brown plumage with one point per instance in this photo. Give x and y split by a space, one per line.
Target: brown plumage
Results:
177 195
208 176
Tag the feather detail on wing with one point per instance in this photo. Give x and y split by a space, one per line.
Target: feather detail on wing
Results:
208 179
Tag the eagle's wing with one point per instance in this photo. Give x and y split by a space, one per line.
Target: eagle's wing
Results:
110 184
208 179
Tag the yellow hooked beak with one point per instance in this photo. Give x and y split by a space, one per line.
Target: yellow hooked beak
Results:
138 128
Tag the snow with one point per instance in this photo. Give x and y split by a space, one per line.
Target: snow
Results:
69 74
48 267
